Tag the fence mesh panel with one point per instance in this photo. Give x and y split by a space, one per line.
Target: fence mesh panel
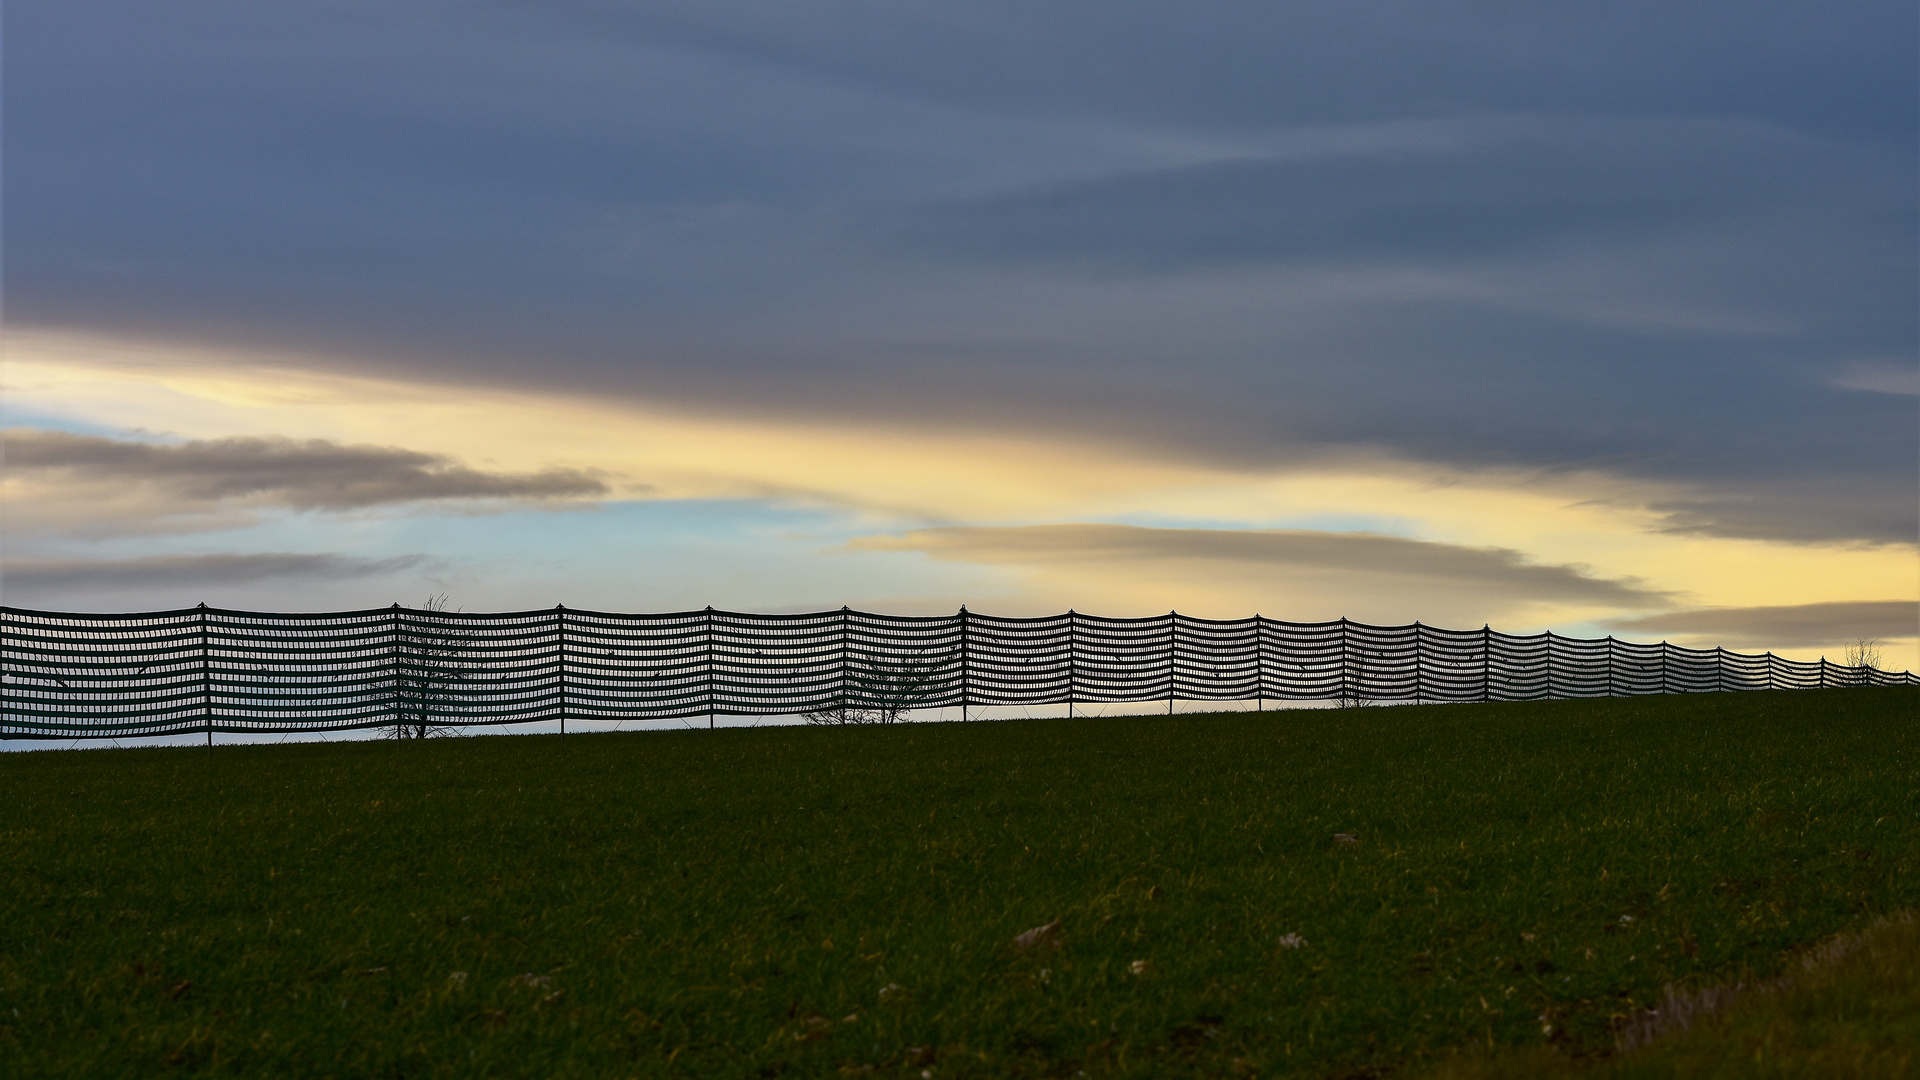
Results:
68 675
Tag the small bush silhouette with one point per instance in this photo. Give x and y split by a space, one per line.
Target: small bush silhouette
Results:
431 665
882 688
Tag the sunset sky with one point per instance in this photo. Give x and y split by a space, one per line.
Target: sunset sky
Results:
1597 318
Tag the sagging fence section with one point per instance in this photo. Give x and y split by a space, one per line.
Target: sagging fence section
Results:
69 675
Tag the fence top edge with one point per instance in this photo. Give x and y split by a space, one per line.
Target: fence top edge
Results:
725 613
189 612
1088 620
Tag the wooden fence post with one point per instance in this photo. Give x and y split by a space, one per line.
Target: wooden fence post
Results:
1173 647
1549 665
393 629
1486 662
1259 664
560 617
964 659
1416 662
709 666
1346 689
1071 619
206 677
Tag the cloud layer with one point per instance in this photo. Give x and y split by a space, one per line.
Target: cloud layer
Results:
299 474
1288 573
51 578
1787 626
1649 241
1612 305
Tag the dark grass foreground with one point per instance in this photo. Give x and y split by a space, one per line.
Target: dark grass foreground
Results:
1848 1010
803 901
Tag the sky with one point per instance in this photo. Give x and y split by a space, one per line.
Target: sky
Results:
1592 318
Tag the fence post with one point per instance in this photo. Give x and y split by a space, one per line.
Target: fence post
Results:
963 663
709 666
1259 664
1769 669
845 694
1346 692
1549 665
1070 621
1823 673
1719 669
206 677
560 616
1486 662
1663 665
1173 645
1610 692
394 630
1417 669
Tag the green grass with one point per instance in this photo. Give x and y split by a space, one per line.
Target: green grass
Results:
737 903
1849 1011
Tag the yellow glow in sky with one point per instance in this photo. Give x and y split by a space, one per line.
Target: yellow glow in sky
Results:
895 481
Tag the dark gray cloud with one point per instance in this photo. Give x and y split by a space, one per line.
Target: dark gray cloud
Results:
1252 63
1495 574
60 577
305 474
1484 189
1796 626
1840 505
1641 238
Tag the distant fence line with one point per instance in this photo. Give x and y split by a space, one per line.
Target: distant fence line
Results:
69 675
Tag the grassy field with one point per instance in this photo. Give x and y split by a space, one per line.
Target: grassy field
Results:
812 902
1849 1009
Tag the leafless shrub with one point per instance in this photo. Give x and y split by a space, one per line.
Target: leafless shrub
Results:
431 661
1354 692
882 688
1863 656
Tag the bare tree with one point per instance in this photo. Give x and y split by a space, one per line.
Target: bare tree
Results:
882 688
1863 656
431 663
1354 691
